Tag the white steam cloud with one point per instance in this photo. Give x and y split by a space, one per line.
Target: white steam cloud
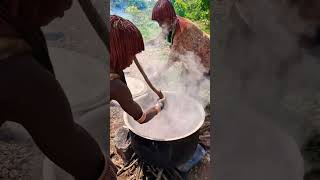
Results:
182 112
184 77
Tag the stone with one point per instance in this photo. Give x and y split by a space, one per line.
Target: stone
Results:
122 143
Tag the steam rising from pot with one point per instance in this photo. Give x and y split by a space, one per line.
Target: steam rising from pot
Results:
191 83
184 107
181 117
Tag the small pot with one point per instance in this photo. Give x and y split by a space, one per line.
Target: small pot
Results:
166 152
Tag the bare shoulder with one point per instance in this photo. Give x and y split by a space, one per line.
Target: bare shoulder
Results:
118 89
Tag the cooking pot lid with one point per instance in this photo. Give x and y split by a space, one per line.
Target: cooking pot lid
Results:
181 117
81 77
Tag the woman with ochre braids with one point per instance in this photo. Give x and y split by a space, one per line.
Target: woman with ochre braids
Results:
125 42
184 36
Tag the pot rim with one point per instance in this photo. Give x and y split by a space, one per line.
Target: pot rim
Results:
202 114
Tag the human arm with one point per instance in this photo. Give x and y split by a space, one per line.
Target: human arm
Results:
121 93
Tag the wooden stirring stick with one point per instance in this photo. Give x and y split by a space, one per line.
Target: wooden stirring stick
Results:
102 30
159 93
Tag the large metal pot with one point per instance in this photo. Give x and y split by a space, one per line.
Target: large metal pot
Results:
171 138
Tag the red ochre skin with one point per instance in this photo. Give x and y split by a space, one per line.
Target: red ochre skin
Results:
189 37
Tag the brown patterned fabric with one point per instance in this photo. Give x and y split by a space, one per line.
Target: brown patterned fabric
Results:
189 37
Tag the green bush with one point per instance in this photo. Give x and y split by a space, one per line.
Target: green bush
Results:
195 10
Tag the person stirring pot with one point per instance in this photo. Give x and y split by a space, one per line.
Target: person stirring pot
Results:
125 42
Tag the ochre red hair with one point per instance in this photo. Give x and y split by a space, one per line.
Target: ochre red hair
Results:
163 10
125 42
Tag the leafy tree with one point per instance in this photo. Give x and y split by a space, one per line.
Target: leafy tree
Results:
195 10
142 19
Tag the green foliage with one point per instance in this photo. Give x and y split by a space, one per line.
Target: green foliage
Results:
120 4
142 19
139 12
140 4
195 10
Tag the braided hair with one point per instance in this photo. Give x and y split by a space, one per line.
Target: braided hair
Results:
163 10
125 42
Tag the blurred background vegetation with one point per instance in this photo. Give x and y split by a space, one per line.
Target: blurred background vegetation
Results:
196 10
139 12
